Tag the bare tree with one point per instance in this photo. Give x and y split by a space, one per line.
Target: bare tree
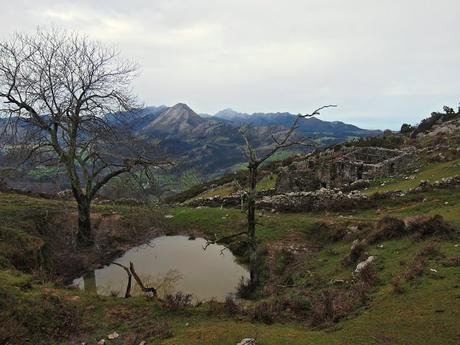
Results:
255 159
61 87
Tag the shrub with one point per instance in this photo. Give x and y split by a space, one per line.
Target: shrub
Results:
424 226
416 268
330 305
4 262
387 228
230 306
397 285
299 305
36 321
368 275
283 259
177 301
245 288
265 312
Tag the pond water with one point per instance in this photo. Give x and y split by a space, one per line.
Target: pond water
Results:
171 264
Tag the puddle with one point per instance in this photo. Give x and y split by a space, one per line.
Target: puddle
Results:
171 264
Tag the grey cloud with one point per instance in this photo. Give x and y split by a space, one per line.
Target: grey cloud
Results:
383 62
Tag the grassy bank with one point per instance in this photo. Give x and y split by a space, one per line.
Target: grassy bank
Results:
424 310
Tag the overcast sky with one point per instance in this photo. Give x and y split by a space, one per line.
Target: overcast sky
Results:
384 62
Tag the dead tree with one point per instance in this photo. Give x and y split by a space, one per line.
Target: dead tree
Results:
61 87
255 159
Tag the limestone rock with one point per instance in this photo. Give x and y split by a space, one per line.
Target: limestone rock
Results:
364 264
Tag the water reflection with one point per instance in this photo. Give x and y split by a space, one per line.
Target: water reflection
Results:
171 263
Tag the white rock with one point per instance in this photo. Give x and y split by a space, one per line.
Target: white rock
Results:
143 342
364 264
247 341
434 270
169 216
112 336
101 342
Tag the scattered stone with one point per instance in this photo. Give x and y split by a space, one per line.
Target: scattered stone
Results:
364 264
247 341
434 270
101 342
169 216
143 342
337 281
112 336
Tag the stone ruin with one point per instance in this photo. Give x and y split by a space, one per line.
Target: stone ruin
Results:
343 168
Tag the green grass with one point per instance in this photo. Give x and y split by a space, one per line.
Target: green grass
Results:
432 172
427 313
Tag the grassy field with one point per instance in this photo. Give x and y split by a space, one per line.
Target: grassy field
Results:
426 312
431 172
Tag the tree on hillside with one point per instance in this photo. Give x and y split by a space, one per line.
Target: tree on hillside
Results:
255 158
59 89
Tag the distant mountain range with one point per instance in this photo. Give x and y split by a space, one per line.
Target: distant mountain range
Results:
211 144
207 146
181 120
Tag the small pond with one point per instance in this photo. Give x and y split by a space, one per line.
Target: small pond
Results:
171 264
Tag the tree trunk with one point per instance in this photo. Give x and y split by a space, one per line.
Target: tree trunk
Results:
85 235
252 195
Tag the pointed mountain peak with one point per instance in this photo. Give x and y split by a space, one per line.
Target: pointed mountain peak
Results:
178 118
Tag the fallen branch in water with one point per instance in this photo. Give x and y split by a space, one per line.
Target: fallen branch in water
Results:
151 290
128 287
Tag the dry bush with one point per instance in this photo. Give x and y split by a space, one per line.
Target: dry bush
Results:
265 312
331 305
397 285
245 288
424 226
368 275
283 259
36 321
298 305
229 307
387 228
416 268
177 301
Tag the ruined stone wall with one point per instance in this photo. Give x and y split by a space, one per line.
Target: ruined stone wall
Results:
332 169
